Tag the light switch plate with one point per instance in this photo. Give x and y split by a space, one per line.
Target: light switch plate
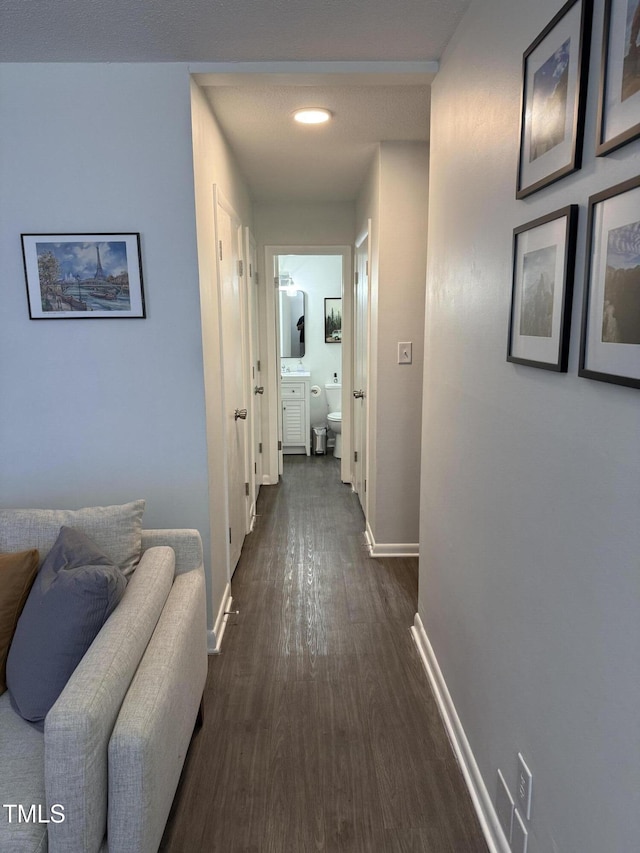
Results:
525 785
520 836
504 806
405 352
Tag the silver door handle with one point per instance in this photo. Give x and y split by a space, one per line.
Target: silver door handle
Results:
240 413
358 394
259 389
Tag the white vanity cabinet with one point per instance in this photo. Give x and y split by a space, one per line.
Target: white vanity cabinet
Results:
296 429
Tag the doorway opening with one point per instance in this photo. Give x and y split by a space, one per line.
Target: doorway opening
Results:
311 338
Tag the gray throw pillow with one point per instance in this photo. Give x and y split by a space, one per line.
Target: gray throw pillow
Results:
115 529
75 591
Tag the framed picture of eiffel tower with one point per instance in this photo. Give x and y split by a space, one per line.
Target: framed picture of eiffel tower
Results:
83 276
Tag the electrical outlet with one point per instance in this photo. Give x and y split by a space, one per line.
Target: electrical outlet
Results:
404 352
504 806
525 785
520 836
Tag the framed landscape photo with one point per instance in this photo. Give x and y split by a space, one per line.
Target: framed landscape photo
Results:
83 276
333 320
543 262
619 100
554 84
610 343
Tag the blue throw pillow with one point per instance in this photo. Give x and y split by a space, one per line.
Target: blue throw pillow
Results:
74 593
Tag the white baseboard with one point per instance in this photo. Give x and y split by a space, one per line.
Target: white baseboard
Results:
269 481
393 549
214 638
482 802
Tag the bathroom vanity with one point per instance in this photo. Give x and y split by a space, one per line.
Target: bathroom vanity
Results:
296 419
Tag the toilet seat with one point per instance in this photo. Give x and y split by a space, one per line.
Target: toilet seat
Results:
334 416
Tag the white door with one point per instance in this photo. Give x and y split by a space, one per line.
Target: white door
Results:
256 384
229 234
360 370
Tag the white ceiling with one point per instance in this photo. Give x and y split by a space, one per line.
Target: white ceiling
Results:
285 161
281 161
225 30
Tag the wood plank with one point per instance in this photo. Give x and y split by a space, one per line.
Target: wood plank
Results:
320 731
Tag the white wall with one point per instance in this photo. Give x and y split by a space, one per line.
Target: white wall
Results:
404 187
529 581
213 163
320 277
102 411
395 197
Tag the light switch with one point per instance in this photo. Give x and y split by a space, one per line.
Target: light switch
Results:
404 352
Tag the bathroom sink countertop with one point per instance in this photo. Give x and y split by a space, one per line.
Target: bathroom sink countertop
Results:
296 374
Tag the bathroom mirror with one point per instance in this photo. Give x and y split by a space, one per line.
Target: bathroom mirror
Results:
292 319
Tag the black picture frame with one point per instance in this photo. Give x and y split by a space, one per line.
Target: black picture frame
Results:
544 253
333 320
552 113
83 276
610 339
618 119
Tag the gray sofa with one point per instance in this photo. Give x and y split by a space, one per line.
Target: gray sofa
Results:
103 775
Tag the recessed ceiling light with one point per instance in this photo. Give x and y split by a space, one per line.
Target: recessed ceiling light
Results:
316 115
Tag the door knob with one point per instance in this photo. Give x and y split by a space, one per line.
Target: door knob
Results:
240 413
358 394
259 389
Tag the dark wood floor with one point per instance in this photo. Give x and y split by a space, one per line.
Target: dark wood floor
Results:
320 731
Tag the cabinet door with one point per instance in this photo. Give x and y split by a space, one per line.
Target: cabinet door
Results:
294 427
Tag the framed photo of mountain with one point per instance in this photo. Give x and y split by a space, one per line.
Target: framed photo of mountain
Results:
543 262
610 343
619 100
83 276
554 84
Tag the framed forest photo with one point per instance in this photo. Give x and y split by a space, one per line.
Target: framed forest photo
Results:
610 343
554 83
543 262
619 100
333 320
83 276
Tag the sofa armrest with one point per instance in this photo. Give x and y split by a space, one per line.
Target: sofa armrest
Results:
78 727
154 727
186 544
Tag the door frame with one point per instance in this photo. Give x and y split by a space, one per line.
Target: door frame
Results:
254 357
272 386
365 234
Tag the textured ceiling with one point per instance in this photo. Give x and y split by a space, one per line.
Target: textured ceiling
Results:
284 161
225 30
280 160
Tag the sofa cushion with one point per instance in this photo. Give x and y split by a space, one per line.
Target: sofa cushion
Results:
21 782
115 529
74 593
17 572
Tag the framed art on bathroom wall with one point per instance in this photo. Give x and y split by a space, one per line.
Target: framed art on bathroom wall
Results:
83 276
333 320
619 98
610 343
554 87
543 262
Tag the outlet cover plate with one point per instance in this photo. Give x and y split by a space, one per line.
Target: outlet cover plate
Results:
504 806
520 834
525 785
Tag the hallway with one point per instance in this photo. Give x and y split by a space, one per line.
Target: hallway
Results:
320 732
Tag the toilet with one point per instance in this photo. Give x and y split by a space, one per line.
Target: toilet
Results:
334 417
